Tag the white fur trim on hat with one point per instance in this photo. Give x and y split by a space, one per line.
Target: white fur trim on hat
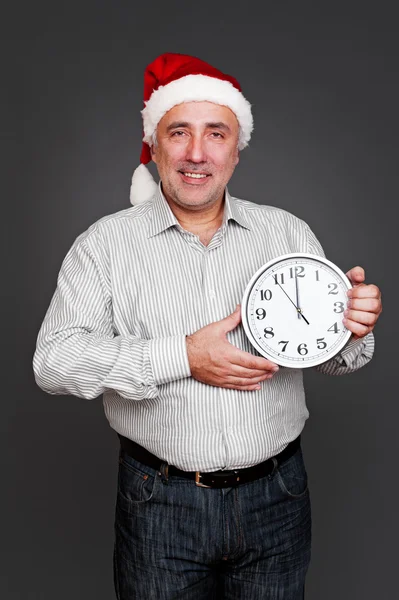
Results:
143 185
197 88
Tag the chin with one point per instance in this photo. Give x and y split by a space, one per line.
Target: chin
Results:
187 197
199 197
198 202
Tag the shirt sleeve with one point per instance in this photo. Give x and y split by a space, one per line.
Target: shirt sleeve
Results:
357 353
78 351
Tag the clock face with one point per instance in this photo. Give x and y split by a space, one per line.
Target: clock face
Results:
292 310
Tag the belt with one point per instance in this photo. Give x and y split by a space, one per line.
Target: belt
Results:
215 479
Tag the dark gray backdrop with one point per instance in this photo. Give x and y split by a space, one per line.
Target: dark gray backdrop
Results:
324 89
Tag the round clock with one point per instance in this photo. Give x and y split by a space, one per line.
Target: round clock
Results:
292 310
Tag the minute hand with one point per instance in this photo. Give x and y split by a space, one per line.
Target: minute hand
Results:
298 309
297 295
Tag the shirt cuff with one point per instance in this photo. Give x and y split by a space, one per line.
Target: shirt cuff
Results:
355 347
169 360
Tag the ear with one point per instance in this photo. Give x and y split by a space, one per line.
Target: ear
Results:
153 154
237 159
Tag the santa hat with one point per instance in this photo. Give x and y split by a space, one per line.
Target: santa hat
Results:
175 78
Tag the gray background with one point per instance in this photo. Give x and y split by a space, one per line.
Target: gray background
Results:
324 89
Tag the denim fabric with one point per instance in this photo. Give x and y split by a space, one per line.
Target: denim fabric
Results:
176 540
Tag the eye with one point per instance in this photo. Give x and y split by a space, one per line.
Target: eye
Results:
178 133
216 135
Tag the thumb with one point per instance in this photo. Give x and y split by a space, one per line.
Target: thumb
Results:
356 276
229 323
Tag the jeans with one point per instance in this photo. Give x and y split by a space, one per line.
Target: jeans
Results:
176 540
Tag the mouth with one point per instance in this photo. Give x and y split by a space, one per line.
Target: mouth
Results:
194 178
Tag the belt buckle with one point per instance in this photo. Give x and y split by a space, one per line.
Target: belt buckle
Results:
197 480
233 479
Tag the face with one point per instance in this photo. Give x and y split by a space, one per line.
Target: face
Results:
196 153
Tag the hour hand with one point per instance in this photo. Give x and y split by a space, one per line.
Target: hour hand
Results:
300 314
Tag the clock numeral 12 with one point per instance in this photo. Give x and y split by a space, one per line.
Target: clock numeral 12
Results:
299 272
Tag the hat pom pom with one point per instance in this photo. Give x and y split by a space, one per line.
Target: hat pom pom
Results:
143 186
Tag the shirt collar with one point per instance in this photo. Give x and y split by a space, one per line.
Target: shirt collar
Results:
163 217
232 211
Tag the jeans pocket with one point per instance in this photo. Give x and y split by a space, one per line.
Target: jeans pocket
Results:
292 477
135 485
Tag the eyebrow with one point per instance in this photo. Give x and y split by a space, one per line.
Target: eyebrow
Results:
211 125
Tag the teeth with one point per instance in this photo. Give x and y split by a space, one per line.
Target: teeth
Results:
195 175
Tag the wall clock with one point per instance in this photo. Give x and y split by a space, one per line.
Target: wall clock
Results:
292 310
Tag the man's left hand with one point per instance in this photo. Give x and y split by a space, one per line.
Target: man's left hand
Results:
364 304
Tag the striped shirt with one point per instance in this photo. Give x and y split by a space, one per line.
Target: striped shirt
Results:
130 290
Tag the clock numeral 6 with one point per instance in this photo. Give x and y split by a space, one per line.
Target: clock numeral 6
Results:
302 349
268 332
260 313
321 344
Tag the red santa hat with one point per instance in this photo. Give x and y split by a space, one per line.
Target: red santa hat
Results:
175 78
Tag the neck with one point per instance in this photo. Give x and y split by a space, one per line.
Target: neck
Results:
201 220
205 219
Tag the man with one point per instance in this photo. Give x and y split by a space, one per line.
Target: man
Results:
212 489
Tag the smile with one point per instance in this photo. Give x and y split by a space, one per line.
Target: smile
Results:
195 175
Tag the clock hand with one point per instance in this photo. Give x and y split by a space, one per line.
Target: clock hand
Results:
303 316
287 295
298 309
297 293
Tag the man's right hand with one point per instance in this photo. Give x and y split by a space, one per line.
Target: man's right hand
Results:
213 360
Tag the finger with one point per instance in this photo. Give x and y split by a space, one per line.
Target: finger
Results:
267 367
366 304
245 387
231 321
248 388
245 359
360 316
233 379
248 363
357 328
243 383
240 371
356 275
364 291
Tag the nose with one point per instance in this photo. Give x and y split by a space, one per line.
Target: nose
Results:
195 150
